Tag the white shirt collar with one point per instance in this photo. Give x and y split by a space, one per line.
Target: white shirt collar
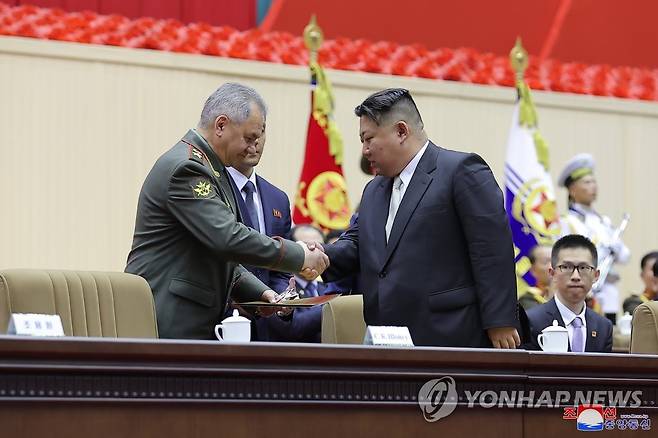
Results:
240 180
408 172
302 283
567 315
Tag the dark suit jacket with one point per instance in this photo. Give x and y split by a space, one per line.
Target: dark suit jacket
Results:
188 243
447 272
599 328
276 215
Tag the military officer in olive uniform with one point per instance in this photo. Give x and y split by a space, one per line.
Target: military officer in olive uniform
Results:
188 243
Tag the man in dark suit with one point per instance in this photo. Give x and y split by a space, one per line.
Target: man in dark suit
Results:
266 209
573 271
432 245
188 243
263 207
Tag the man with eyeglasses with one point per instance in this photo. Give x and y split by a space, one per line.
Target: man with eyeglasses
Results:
573 270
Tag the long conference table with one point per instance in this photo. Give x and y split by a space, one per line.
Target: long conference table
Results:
98 387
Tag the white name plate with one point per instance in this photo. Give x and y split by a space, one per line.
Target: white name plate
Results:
35 324
388 336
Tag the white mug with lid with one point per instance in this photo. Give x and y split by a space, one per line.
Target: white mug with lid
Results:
235 328
554 338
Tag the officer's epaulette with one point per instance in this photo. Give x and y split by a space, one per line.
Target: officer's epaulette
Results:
199 156
196 154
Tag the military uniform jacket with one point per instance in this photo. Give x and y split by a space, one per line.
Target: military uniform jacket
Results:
188 243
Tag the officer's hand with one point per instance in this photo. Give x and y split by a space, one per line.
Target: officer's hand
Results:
504 337
315 260
289 294
271 297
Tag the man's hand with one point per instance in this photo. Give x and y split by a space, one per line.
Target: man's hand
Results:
504 337
271 297
315 260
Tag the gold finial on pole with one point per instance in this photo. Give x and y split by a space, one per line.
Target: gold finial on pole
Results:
313 38
518 58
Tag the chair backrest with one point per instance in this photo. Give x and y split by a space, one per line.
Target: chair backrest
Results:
107 304
342 320
644 335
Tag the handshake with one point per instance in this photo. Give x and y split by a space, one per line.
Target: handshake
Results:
315 260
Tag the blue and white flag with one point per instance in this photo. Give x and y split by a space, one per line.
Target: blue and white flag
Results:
529 195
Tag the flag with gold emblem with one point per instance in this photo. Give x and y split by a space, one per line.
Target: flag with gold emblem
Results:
321 197
529 195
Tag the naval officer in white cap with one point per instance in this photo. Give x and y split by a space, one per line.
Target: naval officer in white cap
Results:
578 178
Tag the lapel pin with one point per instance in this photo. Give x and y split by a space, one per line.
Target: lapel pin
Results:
593 333
276 213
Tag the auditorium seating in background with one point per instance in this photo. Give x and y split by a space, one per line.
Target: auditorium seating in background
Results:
100 304
644 336
342 320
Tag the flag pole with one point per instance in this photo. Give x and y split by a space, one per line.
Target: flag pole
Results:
313 39
321 197
518 58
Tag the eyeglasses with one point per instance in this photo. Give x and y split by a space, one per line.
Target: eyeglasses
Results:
568 268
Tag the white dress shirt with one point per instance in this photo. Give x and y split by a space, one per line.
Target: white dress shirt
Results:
240 181
400 184
568 316
408 172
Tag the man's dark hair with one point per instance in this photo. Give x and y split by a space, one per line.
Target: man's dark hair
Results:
574 241
383 105
653 255
296 228
655 269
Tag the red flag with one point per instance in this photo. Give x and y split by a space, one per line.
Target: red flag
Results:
322 193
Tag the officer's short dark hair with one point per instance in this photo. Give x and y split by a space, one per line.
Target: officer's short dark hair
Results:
655 269
391 103
574 241
653 255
